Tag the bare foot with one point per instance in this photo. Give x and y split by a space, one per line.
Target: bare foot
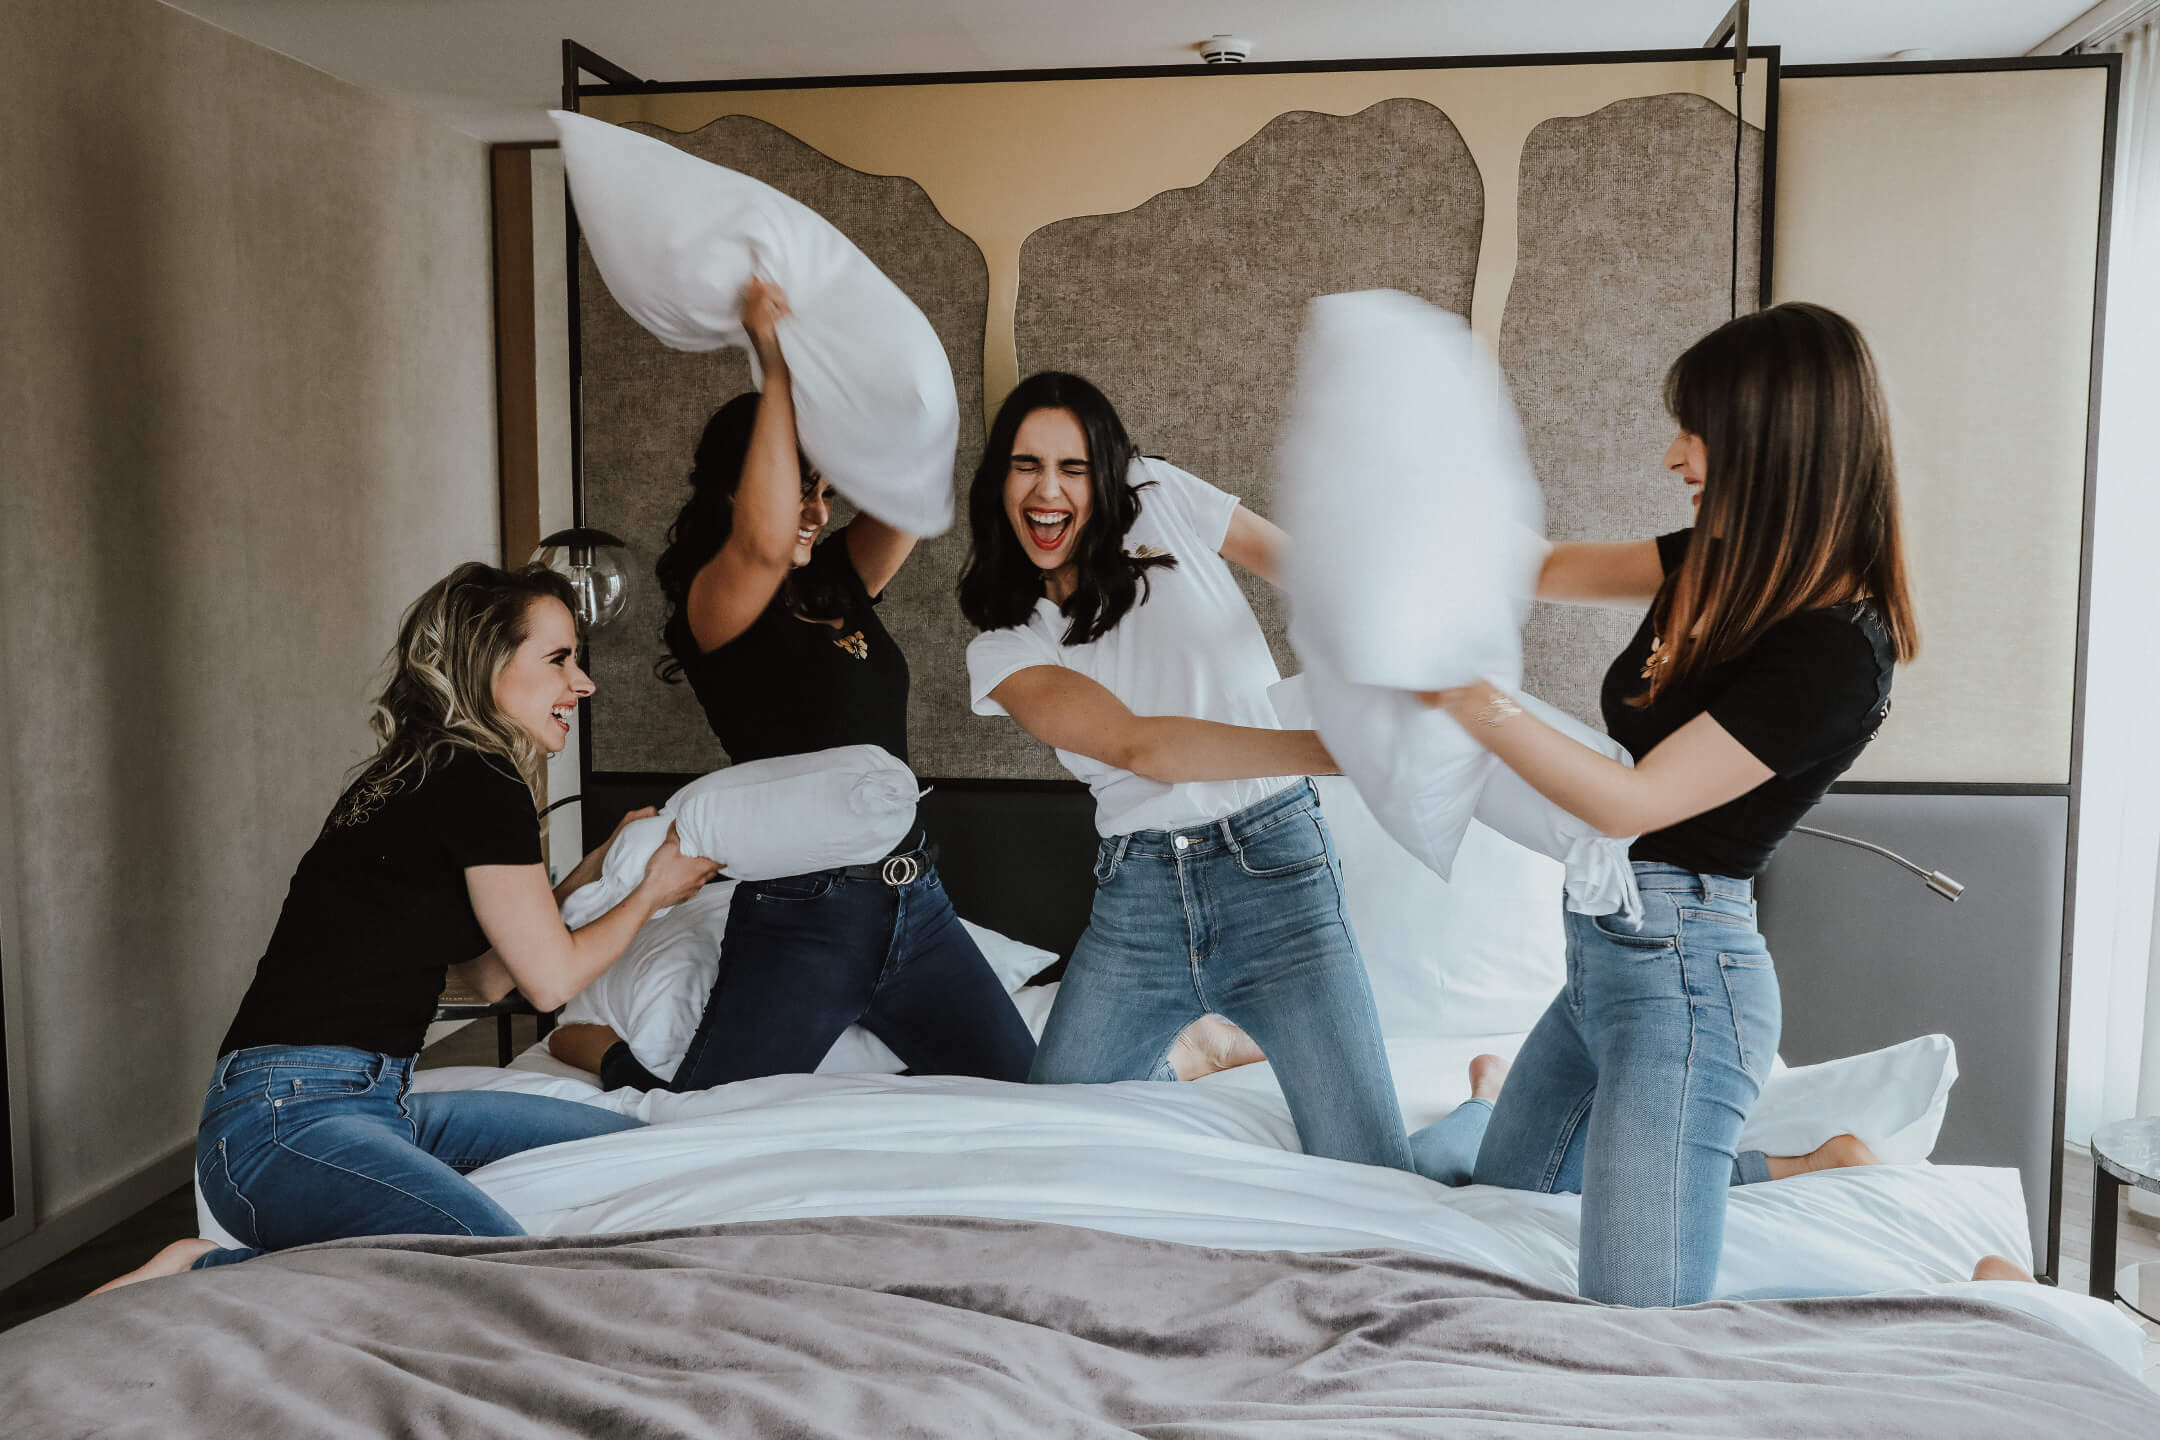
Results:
581 1045
1209 1044
1487 1074
1836 1153
1997 1267
174 1259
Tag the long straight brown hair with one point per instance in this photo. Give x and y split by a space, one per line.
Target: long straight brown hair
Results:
1799 501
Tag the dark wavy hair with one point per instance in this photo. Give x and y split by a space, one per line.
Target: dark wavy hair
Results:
703 525
1800 500
1000 585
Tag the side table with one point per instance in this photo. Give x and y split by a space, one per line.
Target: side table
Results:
2125 1153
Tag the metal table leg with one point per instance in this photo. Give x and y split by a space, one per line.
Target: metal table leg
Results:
2107 1204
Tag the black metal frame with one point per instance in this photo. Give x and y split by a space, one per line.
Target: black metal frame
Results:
578 59
2073 789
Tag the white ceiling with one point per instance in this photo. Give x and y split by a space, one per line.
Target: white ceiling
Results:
491 66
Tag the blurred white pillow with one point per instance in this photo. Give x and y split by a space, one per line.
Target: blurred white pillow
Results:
1403 479
677 238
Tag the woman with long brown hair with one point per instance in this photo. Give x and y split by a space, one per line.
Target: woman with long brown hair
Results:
1760 673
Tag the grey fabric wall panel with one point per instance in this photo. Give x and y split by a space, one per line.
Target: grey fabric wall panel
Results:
1624 259
1186 309
1867 956
645 405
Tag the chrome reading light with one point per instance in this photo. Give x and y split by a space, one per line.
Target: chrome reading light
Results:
1938 882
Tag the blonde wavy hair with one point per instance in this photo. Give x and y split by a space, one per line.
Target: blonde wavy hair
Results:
452 643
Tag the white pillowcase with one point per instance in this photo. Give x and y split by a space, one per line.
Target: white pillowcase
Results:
1481 954
788 815
676 239
1424 779
1403 478
1894 1099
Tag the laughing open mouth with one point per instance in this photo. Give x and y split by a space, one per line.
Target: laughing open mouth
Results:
1047 528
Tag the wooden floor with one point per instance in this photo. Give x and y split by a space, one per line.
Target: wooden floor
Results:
133 1241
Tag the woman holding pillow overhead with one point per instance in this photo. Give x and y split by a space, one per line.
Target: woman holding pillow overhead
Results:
1113 630
1760 673
776 630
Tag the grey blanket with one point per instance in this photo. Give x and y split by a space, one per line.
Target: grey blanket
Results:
951 1327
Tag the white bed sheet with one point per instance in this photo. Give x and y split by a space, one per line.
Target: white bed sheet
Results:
1214 1164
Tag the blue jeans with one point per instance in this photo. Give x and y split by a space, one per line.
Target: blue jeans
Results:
806 957
1633 1087
300 1143
1244 918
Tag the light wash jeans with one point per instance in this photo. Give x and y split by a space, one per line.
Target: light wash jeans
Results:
300 1143
1633 1087
1243 917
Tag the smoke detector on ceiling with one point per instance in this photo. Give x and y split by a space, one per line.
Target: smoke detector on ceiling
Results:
1225 50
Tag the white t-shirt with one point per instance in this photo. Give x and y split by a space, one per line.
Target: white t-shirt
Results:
1192 647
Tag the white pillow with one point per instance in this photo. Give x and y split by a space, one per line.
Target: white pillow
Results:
1481 954
654 994
1403 479
1424 778
787 815
676 239
1894 1099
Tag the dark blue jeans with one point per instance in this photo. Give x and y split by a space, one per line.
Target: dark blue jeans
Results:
805 957
300 1143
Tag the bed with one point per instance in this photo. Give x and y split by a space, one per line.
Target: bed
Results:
891 1255
853 1253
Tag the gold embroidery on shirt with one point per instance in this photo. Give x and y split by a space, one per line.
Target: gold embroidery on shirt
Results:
854 644
364 800
1145 552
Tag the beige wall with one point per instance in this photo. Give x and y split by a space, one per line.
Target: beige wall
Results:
1954 218
246 414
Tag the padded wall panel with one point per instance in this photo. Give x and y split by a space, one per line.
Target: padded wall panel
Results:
1186 309
1599 309
1210 205
1868 956
642 425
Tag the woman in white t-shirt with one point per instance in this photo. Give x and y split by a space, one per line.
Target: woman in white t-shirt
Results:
1113 631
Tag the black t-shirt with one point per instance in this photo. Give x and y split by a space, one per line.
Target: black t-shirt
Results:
378 908
1804 699
787 686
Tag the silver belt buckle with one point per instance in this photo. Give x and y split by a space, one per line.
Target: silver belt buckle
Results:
900 870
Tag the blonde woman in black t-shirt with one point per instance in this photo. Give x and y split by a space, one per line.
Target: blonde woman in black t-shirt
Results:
774 625
1760 673
430 859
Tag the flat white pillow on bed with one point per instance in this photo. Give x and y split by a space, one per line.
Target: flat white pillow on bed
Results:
1893 1098
677 238
788 815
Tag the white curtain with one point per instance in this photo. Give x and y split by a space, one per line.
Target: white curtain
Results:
2115 1000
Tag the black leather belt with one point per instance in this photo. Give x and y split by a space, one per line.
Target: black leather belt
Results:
894 870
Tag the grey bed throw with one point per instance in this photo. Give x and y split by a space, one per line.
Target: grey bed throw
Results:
952 1327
